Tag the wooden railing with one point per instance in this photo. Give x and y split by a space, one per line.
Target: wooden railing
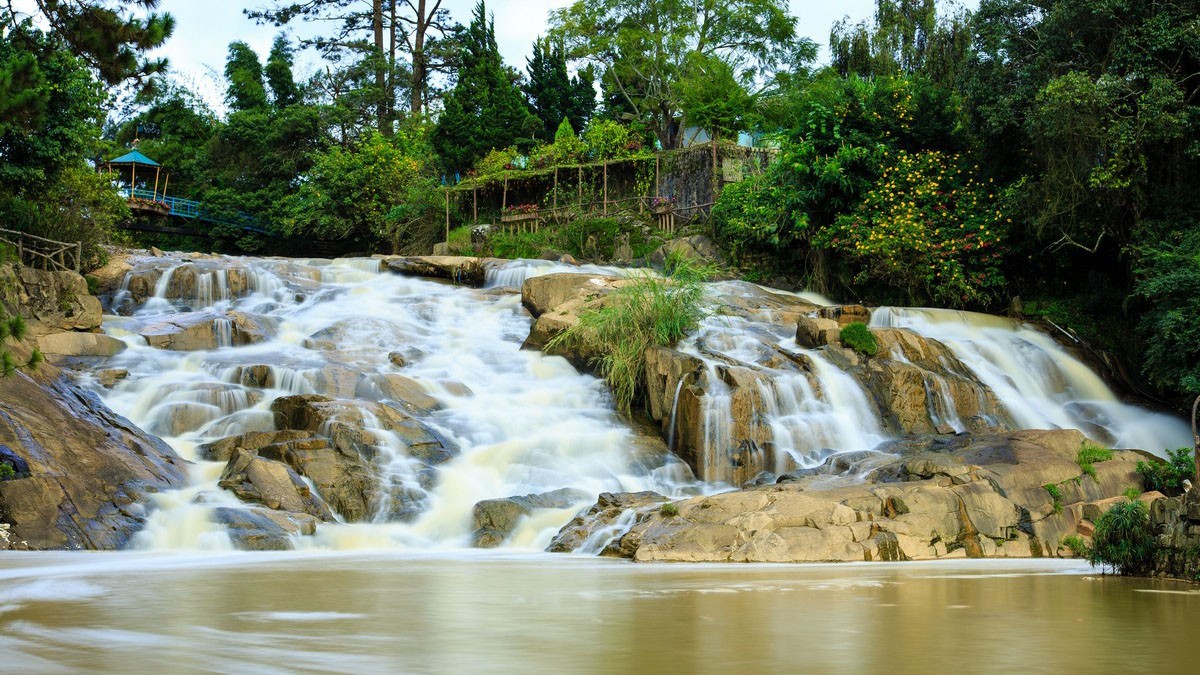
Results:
42 253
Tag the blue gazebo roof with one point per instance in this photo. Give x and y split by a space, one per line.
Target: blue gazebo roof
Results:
133 157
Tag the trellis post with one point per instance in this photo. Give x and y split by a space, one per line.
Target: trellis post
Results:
475 199
606 188
447 215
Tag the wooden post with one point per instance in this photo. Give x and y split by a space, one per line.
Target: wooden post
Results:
580 188
475 199
157 170
504 196
657 172
555 210
447 216
606 188
132 179
78 256
165 184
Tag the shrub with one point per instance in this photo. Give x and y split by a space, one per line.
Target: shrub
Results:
93 285
17 327
1131 493
1168 476
6 471
1077 545
7 365
36 357
669 509
1056 495
644 313
1124 540
1089 454
606 139
859 338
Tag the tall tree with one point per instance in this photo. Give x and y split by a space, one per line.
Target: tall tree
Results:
554 95
485 110
284 91
244 78
905 37
646 45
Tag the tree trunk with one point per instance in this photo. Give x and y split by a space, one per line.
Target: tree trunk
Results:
385 126
391 75
420 71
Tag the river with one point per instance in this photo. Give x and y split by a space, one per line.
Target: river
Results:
487 613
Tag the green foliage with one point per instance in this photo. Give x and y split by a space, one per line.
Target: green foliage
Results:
520 244
669 509
644 313
555 96
1090 453
496 162
1131 493
36 358
244 73
485 110
6 471
1167 477
712 98
284 91
93 284
858 337
606 139
1168 273
17 328
1056 495
8 365
1077 545
645 47
1124 539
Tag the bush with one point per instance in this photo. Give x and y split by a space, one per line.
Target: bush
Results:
6 471
93 285
1124 540
859 338
1167 477
8 366
17 327
645 313
36 357
1056 495
606 139
1077 545
1089 454
669 509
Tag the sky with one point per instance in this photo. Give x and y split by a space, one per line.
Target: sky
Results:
205 27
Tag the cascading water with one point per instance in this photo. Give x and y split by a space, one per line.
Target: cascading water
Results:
522 422
1037 381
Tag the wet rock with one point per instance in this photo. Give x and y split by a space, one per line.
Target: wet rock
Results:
459 269
697 247
814 333
273 484
495 519
80 344
262 529
845 315
548 292
197 331
84 469
594 520
397 359
405 391
52 302
109 377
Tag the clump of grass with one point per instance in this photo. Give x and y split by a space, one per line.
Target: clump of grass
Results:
8 366
1132 493
859 338
1056 495
93 285
1077 545
645 313
36 357
17 327
1089 454
6 471
669 509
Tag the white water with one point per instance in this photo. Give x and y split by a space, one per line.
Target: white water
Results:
524 422
1037 381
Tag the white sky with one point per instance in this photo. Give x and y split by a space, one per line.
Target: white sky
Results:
204 29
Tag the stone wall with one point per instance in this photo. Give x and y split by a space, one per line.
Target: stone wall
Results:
1177 521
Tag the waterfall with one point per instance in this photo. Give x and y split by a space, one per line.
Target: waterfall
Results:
1040 385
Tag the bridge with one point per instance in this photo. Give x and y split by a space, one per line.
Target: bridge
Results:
147 200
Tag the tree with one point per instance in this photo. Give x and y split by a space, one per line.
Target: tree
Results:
485 110
554 95
711 98
284 91
244 75
646 46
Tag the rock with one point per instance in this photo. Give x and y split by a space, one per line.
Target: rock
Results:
405 391
262 529
397 359
109 377
495 519
52 302
156 252
846 314
548 292
970 495
596 520
83 469
80 344
270 483
459 269
197 331
109 277
814 333
441 249
696 247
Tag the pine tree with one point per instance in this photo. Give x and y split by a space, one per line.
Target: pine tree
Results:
553 94
485 110
284 91
244 72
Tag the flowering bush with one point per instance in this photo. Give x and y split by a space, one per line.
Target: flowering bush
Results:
669 200
520 209
928 226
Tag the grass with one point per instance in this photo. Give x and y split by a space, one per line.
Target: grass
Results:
17 327
7 365
1056 495
6 471
1077 545
36 357
647 312
1089 454
669 510
93 285
859 338
1131 493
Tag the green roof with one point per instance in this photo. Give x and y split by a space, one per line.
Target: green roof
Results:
133 157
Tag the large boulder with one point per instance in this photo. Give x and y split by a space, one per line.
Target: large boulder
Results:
931 497
495 519
51 301
195 331
464 270
82 470
262 529
80 344
270 483
598 525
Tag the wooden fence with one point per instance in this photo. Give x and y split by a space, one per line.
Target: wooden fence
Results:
42 253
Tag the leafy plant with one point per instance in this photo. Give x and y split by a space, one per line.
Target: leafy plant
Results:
645 312
1077 545
1168 476
669 509
1056 495
858 337
6 471
1124 540
17 327
7 365
36 357
1131 493
93 285
1089 454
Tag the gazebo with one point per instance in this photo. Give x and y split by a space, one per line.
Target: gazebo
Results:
143 195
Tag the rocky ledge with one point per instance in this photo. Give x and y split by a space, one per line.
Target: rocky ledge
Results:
924 498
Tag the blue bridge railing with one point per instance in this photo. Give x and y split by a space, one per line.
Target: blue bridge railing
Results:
191 209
